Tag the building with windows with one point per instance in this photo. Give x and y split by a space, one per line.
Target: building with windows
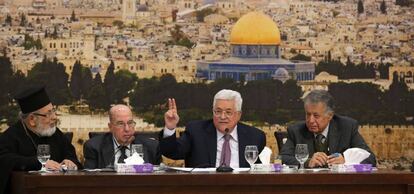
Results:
255 54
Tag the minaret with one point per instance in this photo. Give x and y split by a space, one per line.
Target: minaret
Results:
128 11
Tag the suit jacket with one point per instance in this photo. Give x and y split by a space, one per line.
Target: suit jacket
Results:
99 151
343 134
198 144
18 151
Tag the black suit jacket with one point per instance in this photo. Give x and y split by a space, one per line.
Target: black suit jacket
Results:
343 134
18 151
198 144
99 151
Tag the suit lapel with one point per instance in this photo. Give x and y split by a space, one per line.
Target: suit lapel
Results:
243 139
309 140
108 150
333 137
211 142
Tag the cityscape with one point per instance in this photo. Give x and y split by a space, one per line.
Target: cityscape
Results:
140 52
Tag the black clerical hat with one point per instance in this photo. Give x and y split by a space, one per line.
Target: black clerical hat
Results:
32 99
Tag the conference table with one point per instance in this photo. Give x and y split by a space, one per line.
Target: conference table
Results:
80 182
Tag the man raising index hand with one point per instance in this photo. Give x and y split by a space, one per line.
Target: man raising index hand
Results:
211 143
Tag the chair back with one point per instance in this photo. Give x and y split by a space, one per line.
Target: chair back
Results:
148 134
68 135
281 137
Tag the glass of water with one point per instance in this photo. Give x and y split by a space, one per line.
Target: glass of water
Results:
301 154
251 154
43 154
138 148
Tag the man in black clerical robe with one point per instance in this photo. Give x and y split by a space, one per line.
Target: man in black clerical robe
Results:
37 125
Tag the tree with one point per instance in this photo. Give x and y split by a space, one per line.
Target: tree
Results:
118 23
301 57
23 20
8 20
97 100
360 7
30 43
200 15
73 17
76 81
86 82
125 81
52 75
6 74
402 3
55 32
396 96
109 83
383 7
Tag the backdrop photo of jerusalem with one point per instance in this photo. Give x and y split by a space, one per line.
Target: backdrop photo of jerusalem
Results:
91 54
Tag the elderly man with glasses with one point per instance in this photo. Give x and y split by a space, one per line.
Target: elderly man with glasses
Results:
37 126
103 151
212 143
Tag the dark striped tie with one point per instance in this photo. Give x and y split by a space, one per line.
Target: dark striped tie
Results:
226 151
123 154
321 144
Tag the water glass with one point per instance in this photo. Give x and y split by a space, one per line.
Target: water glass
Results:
139 149
301 154
43 154
251 153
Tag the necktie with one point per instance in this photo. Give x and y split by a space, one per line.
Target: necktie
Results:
123 154
321 144
225 151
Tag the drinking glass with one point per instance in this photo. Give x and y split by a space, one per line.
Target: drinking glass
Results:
301 154
43 154
251 154
139 149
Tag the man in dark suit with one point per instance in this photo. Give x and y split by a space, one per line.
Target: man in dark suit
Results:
326 134
37 125
103 151
212 143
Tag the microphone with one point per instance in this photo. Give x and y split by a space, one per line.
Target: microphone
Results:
111 165
129 140
223 167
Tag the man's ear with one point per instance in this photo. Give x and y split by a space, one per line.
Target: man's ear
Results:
331 114
32 121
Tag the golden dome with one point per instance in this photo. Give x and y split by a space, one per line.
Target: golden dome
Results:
255 28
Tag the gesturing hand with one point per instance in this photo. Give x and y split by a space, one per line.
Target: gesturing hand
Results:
318 159
171 117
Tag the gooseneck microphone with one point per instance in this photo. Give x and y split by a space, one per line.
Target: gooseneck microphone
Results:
118 148
223 167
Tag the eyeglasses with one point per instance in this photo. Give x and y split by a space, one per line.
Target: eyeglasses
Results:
227 114
130 124
48 114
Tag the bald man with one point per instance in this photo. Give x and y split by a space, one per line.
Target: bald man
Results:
105 150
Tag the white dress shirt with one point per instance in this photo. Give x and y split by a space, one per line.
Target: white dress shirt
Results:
117 151
234 146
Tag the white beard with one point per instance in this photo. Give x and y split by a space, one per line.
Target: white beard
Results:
44 130
47 132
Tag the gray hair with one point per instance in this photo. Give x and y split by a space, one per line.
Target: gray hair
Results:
320 96
23 116
229 95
